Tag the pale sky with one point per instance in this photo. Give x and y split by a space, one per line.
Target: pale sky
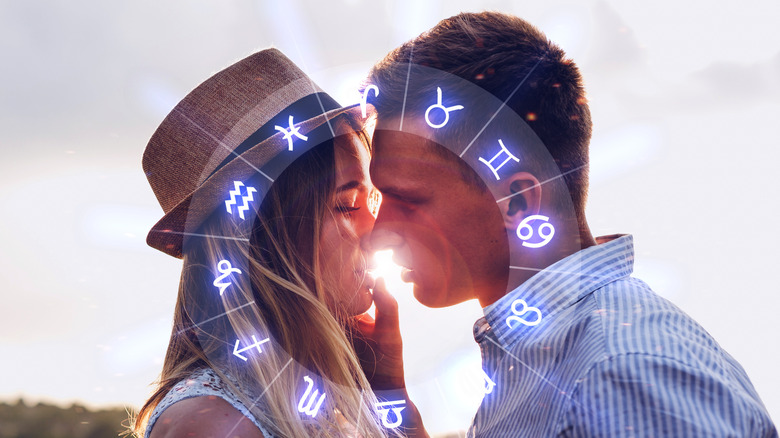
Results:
685 99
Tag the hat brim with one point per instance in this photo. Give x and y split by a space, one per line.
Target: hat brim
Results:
182 221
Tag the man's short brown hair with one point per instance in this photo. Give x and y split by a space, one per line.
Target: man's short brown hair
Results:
498 52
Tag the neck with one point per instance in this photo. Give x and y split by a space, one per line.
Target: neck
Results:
527 262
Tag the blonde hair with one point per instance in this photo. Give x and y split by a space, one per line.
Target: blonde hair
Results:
279 295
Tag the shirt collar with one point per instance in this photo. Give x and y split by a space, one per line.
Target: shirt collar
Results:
531 306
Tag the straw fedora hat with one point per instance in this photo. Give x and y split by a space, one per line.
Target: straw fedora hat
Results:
247 120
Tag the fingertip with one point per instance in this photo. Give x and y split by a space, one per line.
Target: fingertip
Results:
383 299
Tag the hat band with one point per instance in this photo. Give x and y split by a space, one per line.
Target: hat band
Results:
305 108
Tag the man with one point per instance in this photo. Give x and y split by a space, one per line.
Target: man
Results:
574 345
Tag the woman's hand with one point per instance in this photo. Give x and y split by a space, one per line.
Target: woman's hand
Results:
378 342
380 350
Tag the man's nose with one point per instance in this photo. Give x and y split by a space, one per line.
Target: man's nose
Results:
381 238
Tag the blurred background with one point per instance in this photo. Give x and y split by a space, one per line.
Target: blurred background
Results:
685 99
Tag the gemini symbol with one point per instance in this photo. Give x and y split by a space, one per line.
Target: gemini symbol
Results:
503 150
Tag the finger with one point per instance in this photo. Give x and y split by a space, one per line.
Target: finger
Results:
363 324
386 305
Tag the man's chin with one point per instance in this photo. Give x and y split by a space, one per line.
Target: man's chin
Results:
438 297
429 297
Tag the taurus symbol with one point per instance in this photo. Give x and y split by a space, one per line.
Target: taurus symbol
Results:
522 311
443 108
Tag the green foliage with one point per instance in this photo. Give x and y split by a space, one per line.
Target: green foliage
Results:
48 421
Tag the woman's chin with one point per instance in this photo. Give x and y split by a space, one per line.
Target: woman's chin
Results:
362 302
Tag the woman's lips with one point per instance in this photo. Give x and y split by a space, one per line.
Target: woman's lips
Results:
367 278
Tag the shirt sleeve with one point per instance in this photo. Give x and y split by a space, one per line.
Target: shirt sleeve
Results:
640 395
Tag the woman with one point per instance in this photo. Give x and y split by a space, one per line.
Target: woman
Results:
268 296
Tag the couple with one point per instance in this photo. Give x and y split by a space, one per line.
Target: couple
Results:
270 194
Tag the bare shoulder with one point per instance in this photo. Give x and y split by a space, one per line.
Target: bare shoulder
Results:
202 417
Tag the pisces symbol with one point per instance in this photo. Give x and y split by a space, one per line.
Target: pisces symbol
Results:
522 311
288 134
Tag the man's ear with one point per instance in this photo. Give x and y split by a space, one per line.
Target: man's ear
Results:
521 196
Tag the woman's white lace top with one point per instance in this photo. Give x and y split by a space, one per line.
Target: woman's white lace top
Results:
203 382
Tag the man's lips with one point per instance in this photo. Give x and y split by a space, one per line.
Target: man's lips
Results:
407 275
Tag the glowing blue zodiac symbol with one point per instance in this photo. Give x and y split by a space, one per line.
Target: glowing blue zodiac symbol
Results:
489 383
225 268
365 97
443 108
546 231
257 344
503 150
288 134
522 311
385 408
311 409
246 199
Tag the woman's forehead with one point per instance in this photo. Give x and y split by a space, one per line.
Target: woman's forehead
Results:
352 159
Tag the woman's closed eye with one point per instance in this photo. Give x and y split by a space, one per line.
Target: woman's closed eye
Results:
346 209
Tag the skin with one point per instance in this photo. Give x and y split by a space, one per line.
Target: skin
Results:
343 263
456 241
203 417
448 235
342 260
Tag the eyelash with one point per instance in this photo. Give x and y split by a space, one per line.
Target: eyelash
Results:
344 209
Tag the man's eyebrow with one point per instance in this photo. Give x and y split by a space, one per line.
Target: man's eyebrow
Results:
399 192
354 184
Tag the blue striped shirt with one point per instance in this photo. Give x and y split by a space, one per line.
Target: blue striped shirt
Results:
581 349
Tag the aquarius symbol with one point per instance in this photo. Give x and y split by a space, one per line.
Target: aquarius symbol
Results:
365 97
395 406
288 134
237 352
502 151
489 383
525 309
246 199
525 231
225 268
443 108
309 409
